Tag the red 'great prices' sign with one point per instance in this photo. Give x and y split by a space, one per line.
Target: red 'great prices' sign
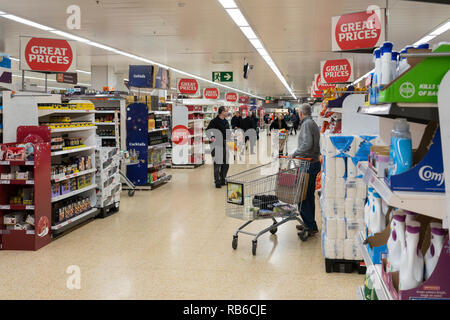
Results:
359 30
43 54
231 97
337 71
320 86
188 86
211 93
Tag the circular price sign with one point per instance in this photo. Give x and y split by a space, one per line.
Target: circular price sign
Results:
336 71
48 54
180 135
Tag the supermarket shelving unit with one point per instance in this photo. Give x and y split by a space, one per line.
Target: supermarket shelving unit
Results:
107 160
39 236
88 135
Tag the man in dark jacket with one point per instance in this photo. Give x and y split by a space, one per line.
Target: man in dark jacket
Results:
309 147
236 120
219 152
247 124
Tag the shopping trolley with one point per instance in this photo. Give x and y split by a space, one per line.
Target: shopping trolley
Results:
269 191
128 159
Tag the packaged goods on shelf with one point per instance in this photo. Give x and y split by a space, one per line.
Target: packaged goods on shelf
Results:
66 106
71 165
68 209
108 176
24 196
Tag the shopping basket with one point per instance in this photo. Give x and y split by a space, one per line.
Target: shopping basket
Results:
269 191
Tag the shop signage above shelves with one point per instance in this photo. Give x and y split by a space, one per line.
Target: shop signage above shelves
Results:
188 86
337 71
243 99
140 76
47 55
359 30
71 78
231 97
211 93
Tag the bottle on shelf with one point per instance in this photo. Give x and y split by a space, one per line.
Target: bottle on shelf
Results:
410 216
386 63
411 265
400 154
437 242
396 241
368 206
377 219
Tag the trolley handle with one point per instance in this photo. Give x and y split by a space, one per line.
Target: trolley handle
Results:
306 159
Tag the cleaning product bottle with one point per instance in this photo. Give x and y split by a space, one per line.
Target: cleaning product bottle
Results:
377 220
434 251
396 241
377 62
411 265
394 65
368 209
400 154
386 64
404 65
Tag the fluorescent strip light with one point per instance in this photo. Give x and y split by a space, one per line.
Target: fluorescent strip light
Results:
441 29
101 46
228 4
424 40
249 33
27 22
70 36
238 17
263 52
2 13
256 43
15 59
82 71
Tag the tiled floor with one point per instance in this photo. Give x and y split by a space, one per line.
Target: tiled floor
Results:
175 243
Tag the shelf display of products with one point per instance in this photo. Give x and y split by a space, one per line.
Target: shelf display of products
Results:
108 177
65 210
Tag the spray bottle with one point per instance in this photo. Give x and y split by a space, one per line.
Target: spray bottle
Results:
386 63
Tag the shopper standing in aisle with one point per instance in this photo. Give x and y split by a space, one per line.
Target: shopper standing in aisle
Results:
236 120
308 147
219 126
249 128
279 123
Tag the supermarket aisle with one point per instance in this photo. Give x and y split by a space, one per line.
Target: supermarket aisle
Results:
161 246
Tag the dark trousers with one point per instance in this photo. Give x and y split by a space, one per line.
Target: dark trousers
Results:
307 207
220 172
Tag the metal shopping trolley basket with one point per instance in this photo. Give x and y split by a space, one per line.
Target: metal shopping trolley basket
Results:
283 136
270 191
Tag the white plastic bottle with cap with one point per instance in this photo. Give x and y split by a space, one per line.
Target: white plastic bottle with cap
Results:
377 220
396 241
434 251
394 64
403 64
386 62
411 266
410 216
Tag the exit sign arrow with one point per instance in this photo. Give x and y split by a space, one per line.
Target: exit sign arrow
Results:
222 76
227 76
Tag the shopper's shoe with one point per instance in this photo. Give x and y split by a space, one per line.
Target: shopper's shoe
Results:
223 184
313 232
300 227
218 186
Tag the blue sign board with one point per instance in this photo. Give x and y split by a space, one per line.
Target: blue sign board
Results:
137 140
141 76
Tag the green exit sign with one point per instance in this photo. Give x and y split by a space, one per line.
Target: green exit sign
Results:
269 98
222 76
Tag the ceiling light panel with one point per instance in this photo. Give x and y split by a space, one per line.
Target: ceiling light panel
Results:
249 33
70 36
441 29
228 4
238 17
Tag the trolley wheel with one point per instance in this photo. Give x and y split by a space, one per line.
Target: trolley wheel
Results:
274 230
254 244
303 235
234 243
131 192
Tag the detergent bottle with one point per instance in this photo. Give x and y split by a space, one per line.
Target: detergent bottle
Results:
400 153
396 241
386 62
410 216
368 208
411 265
434 251
377 218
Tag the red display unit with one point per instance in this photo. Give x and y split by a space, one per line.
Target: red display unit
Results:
38 236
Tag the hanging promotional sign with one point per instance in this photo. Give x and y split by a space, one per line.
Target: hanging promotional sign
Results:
320 86
231 97
211 93
315 92
70 78
359 30
140 76
188 86
337 71
51 55
243 99
5 69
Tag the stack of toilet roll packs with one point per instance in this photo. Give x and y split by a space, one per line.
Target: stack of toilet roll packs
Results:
343 194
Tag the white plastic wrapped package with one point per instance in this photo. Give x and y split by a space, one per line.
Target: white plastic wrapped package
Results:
330 166
350 208
328 247
350 186
349 253
352 170
339 249
353 227
329 207
341 229
331 228
339 207
340 167
340 188
361 189
330 187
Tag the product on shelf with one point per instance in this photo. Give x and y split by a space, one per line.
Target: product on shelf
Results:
72 165
68 209
411 264
434 251
400 157
104 118
25 196
66 106
106 132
